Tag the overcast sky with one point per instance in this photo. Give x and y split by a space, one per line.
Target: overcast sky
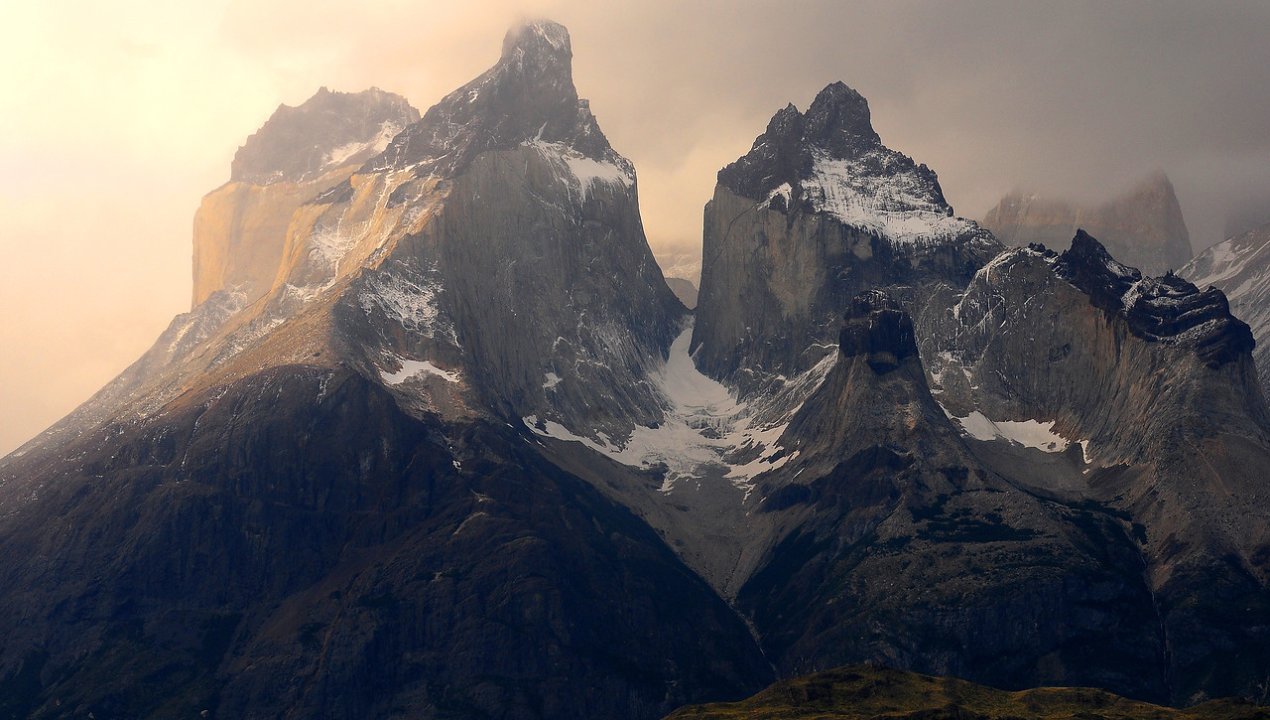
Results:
115 118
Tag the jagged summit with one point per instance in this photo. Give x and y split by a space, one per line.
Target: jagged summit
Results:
528 96
831 160
839 116
816 212
327 130
537 38
1166 308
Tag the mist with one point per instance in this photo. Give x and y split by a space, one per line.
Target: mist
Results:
118 118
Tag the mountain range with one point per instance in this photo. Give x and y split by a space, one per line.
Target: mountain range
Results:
437 439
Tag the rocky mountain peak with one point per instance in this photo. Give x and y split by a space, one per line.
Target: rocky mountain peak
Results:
829 159
878 328
1166 308
1088 266
542 41
528 96
839 116
325 131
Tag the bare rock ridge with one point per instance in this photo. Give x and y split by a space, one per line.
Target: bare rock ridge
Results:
1240 268
240 228
1143 228
303 141
818 211
528 95
1157 309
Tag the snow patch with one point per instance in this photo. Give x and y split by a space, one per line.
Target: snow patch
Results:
889 203
417 368
706 429
1028 433
550 380
583 172
377 144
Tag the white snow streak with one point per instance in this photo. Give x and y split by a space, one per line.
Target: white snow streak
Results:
417 368
893 205
583 172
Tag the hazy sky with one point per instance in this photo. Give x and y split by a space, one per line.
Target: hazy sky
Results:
115 118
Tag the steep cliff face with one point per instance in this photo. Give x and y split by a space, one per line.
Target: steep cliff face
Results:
898 545
1153 380
1240 268
240 228
1143 228
818 211
532 248
325 500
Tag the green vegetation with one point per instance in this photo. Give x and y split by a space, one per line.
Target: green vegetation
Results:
868 693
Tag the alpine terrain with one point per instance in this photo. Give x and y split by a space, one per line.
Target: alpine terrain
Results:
1240 268
437 439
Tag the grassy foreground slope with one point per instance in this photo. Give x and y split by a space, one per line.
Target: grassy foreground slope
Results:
861 692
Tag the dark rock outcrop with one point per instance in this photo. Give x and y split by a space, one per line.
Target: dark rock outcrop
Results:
878 328
1166 308
1154 379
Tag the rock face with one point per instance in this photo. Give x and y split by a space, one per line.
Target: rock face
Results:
322 501
1152 377
1240 268
1143 228
328 129
889 519
818 211
466 455
295 544
240 228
